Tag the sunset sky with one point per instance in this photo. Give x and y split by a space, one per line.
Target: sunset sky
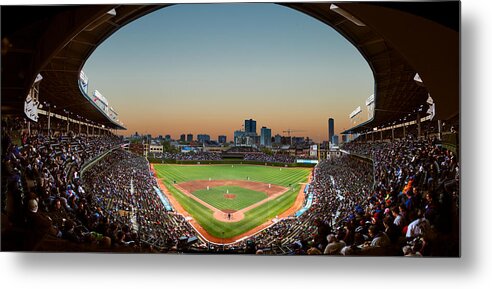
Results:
204 68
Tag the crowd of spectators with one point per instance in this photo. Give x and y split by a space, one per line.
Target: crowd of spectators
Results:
190 156
409 207
41 185
242 150
400 198
112 205
412 209
122 186
215 156
269 158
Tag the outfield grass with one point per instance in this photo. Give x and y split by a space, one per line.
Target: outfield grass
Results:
243 197
274 175
265 174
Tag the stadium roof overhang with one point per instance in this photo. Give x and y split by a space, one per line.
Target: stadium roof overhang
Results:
56 42
398 40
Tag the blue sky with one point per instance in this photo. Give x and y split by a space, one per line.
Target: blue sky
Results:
204 68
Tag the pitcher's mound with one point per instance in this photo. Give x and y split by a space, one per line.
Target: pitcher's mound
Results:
229 196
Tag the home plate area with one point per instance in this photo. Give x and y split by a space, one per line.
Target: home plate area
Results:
230 199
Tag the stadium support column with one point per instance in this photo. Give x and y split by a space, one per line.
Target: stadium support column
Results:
418 125
87 125
93 129
381 134
49 120
439 129
80 126
68 122
393 133
404 130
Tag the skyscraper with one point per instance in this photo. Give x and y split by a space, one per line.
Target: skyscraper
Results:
182 137
266 137
189 137
250 126
239 136
331 128
222 139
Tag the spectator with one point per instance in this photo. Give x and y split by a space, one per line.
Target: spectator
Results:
334 245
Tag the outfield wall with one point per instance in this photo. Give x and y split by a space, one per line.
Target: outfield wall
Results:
229 161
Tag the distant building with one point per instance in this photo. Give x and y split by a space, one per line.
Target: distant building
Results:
344 138
189 137
242 138
167 137
135 136
331 128
250 126
266 137
182 138
202 138
238 135
222 139
286 140
156 148
334 140
278 139
297 140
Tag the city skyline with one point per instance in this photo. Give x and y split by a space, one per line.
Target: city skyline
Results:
199 68
195 136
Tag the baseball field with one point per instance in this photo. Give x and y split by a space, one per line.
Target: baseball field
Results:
229 200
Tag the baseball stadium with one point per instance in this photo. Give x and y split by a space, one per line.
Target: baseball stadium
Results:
72 183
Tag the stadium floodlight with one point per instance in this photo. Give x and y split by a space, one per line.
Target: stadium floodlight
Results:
346 15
